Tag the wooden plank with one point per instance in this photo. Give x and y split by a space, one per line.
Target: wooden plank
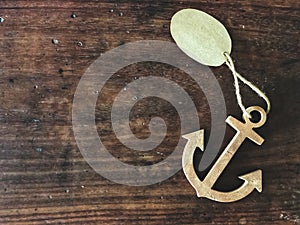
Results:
44 178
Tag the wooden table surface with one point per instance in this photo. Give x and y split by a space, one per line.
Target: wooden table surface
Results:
45 179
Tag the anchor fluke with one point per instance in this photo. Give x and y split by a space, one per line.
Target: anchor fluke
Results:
195 139
253 179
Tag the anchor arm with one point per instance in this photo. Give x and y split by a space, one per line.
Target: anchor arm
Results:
194 140
252 181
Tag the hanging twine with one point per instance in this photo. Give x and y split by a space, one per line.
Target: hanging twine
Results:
237 77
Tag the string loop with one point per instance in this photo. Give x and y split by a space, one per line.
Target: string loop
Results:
237 77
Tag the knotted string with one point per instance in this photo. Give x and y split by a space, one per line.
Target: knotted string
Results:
236 77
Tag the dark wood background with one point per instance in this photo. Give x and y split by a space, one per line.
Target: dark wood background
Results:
45 180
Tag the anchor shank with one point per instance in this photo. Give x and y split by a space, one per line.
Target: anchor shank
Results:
224 159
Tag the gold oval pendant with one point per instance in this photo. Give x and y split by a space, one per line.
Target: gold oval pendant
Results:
200 36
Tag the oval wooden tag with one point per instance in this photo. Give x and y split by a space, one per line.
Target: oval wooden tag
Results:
200 36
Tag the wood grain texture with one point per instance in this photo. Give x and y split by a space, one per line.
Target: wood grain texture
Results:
44 178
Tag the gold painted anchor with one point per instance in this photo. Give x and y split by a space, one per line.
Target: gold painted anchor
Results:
252 180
